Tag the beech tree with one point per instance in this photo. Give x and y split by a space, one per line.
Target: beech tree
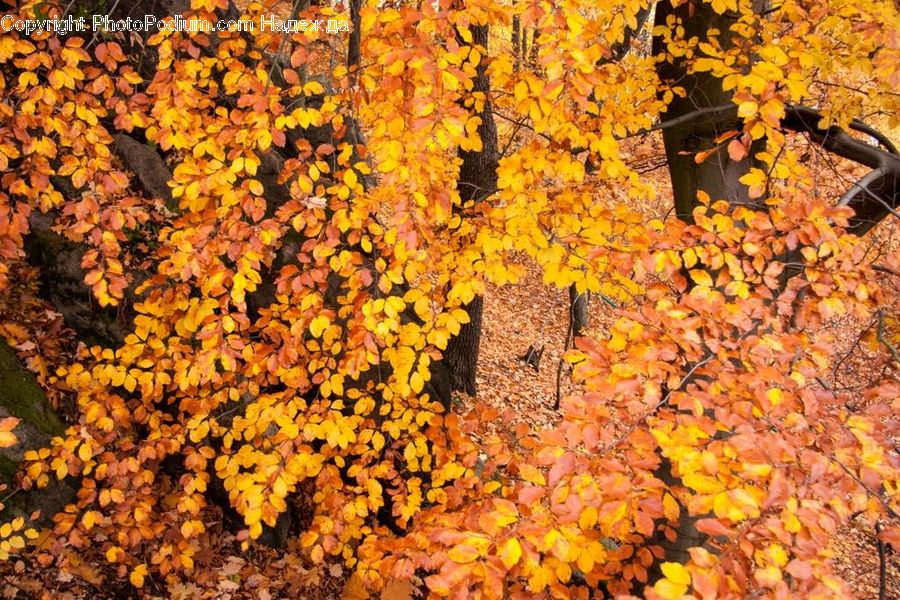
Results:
285 240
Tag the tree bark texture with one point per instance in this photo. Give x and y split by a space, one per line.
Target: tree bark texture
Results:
477 180
718 175
578 311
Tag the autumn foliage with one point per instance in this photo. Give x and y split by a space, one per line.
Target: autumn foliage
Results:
284 348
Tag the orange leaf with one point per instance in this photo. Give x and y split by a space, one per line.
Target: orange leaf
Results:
736 150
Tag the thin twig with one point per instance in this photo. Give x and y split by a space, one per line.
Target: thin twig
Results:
686 380
883 339
559 368
862 484
882 563
883 269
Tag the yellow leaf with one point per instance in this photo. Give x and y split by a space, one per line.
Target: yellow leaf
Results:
747 109
668 590
85 453
89 519
511 552
462 553
199 432
701 277
416 382
532 474
7 439
280 488
318 325
671 508
470 549
617 341
588 517
16 542
689 257
676 573
137 576
702 483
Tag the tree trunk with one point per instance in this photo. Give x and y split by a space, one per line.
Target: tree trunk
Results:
353 49
718 175
535 48
524 44
62 285
516 44
23 398
462 351
478 172
477 180
578 311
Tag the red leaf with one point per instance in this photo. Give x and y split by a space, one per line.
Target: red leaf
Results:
530 494
712 527
891 535
643 523
799 569
563 467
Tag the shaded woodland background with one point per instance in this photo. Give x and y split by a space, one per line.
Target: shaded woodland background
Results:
65 300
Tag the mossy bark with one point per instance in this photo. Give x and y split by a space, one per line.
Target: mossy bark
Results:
23 398
62 284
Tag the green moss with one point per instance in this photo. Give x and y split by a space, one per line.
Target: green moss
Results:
15 503
21 395
8 468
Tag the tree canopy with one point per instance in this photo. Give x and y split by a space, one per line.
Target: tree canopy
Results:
287 230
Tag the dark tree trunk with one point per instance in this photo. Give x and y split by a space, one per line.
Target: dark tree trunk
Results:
533 55
23 398
516 44
62 285
578 311
524 43
478 173
477 181
717 175
353 50
462 351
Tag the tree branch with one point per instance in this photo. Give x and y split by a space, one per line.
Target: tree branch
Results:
880 333
619 50
872 198
834 139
